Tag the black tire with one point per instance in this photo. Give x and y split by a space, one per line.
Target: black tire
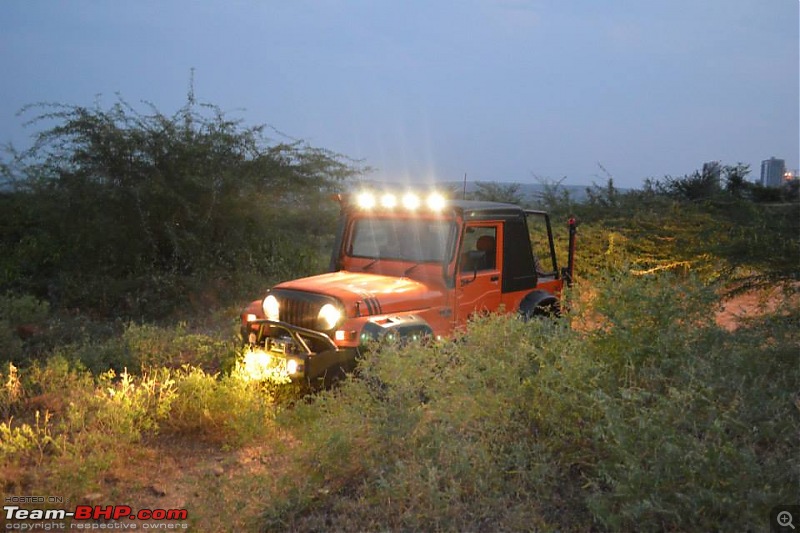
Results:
539 304
333 376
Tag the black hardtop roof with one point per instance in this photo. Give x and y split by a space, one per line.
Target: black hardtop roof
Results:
473 205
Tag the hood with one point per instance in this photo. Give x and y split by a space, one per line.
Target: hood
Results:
373 294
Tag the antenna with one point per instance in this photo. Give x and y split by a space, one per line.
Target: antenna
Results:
465 187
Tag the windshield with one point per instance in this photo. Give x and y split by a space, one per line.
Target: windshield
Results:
404 239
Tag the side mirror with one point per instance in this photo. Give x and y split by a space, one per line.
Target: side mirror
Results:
474 258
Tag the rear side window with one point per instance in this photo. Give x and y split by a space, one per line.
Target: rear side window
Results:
519 271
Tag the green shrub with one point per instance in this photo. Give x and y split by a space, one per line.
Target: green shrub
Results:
17 312
229 410
653 419
150 346
128 213
23 309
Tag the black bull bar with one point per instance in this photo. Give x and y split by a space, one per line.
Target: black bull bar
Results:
316 363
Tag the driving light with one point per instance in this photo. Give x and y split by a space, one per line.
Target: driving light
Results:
257 365
291 366
365 200
436 201
271 308
388 201
410 201
329 316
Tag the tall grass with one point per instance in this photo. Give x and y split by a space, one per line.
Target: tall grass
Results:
655 419
67 427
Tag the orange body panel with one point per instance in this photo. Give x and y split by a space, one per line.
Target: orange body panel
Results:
419 286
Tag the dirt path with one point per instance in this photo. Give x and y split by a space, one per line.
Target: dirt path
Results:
736 310
221 490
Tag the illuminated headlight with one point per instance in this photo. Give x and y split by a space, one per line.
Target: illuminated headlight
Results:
365 200
436 201
329 316
410 201
271 307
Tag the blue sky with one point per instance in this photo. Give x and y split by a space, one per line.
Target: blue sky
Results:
502 90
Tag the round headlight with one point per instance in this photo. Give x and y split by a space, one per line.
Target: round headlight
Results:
329 316
271 308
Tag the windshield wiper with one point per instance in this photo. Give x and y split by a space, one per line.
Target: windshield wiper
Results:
409 269
368 265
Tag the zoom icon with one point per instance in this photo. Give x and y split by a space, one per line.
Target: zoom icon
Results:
784 519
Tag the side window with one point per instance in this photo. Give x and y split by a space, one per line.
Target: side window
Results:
541 246
479 239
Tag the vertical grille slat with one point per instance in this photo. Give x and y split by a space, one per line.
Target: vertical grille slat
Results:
300 308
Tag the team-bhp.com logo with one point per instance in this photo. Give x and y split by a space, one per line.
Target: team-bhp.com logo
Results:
14 513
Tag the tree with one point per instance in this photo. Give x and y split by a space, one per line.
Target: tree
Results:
736 183
122 202
498 192
695 186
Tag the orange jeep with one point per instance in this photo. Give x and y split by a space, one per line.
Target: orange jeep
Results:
401 268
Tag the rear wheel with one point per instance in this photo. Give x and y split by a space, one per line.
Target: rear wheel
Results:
547 311
539 304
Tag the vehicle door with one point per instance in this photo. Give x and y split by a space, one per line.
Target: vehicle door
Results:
478 279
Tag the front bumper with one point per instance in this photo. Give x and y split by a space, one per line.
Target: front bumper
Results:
307 355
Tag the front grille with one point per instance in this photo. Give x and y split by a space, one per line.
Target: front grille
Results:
300 308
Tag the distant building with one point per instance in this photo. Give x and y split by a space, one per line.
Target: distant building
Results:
773 172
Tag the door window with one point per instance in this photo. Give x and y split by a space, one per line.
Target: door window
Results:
479 239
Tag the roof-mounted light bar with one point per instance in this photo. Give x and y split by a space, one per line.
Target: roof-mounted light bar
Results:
410 201
365 200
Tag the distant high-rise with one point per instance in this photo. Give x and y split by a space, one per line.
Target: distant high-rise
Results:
772 172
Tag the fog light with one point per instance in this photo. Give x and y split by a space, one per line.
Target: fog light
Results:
291 366
257 364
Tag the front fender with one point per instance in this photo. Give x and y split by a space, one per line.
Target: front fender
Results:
395 327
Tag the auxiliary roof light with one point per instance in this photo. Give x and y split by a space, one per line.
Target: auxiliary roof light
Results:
366 200
436 201
389 201
410 201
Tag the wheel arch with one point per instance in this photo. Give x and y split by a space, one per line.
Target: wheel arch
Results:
539 303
